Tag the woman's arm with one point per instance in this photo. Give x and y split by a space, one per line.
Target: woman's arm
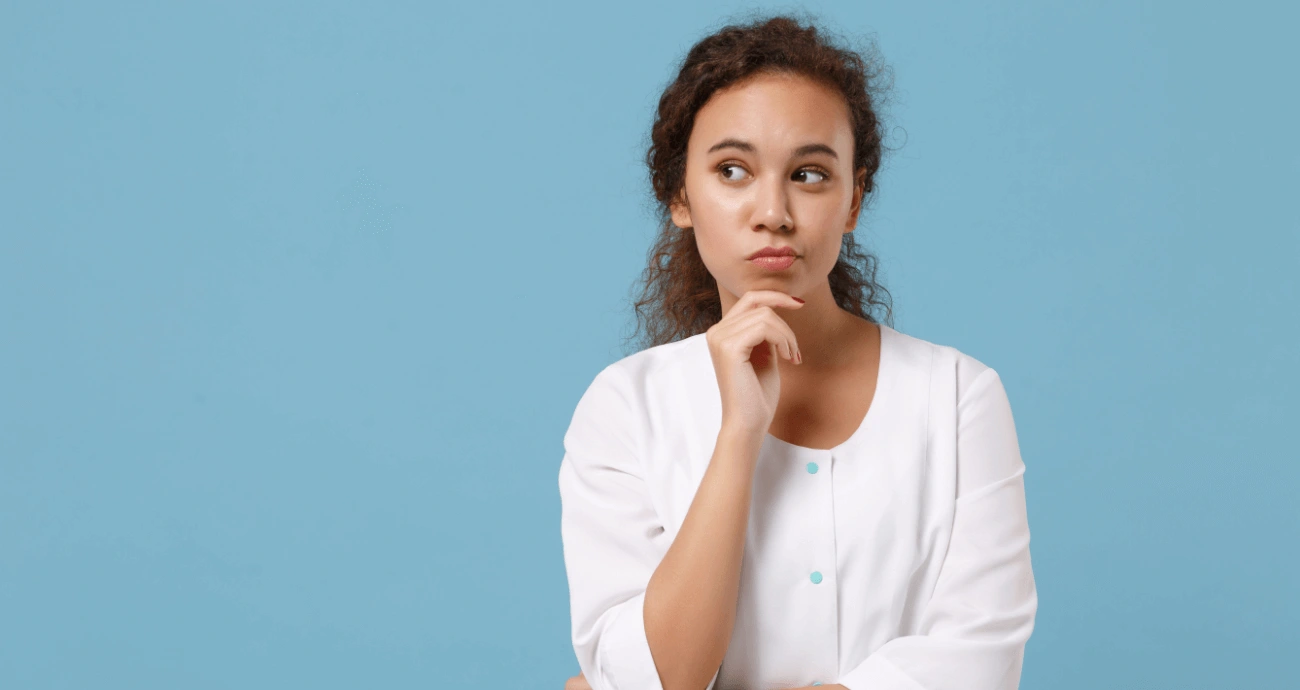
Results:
645 617
579 682
690 606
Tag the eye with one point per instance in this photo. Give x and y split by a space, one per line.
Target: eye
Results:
724 166
821 175
814 171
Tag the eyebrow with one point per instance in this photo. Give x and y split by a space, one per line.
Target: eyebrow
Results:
748 147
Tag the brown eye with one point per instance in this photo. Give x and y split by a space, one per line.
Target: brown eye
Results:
823 176
724 166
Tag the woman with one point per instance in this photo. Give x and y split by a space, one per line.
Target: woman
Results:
781 491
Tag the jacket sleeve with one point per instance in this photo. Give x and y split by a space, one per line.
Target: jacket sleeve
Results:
974 627
612 537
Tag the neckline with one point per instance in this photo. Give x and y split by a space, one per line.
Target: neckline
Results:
882 371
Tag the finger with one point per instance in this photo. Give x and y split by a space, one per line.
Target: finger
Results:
738 321
764 325
781 329
778 331
739 335
771 298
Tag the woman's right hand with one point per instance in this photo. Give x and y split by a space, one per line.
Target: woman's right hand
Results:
744 346
578 682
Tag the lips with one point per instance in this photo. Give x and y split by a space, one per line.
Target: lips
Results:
774 263
772 251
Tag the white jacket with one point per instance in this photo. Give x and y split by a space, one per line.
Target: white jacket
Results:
898 560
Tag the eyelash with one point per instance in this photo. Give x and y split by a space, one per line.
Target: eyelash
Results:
826 176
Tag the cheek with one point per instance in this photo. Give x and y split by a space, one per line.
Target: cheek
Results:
830 254
720 257
714 203
712 251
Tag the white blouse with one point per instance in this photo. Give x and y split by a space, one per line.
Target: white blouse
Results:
897 560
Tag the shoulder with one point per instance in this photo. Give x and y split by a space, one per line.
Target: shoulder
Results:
647 372
965 406
678 354
948 369
663 373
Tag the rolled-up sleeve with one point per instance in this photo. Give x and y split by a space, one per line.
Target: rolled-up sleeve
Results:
974 627
613 539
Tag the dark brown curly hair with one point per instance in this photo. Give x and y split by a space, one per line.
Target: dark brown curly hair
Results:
680 296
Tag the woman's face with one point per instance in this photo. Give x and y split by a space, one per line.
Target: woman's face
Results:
769 163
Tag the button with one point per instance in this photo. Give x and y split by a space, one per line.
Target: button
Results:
812 468
816 577
817 683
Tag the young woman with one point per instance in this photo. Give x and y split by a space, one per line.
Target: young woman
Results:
781 491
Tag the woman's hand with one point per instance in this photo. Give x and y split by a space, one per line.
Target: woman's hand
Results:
744 346
579 682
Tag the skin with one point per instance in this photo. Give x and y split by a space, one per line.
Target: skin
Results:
739 199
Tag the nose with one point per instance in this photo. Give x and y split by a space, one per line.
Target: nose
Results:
772 207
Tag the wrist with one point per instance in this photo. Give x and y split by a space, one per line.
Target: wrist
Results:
740 435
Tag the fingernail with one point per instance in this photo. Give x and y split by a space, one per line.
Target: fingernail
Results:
796 299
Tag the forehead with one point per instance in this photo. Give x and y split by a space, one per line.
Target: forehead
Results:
775 112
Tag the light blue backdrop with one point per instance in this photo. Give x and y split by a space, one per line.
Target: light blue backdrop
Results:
296 301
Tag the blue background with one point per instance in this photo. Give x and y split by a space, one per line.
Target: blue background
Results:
296 301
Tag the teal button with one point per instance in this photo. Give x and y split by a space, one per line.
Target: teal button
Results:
816 683
816 577
812 468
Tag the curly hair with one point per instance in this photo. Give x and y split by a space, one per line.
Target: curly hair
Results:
680 297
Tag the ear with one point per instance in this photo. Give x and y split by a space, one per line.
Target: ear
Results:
681 212
859 191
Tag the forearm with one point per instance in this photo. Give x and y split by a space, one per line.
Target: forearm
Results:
690 600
